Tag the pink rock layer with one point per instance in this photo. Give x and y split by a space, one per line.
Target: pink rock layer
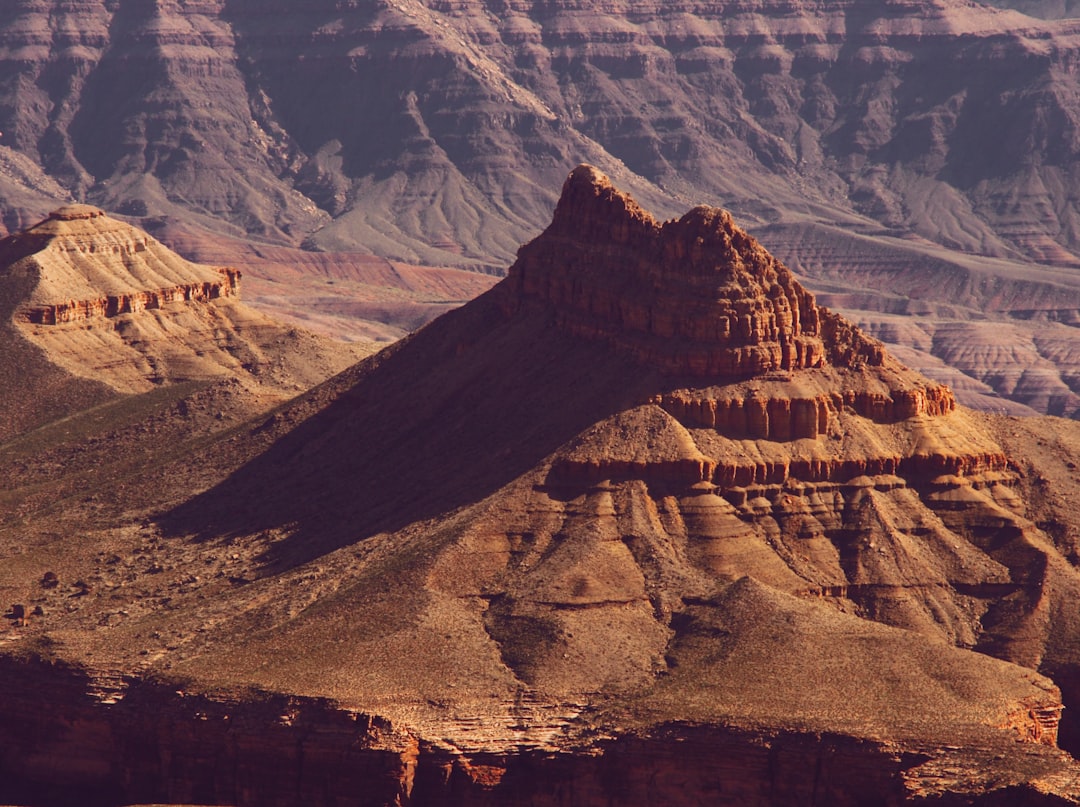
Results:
793 418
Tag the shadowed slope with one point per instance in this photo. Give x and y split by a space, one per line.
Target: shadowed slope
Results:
561 547
478 397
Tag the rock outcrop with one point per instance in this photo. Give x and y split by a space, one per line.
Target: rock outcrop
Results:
699 298
694 297
114 305
87 237
85 296
439 132
542 559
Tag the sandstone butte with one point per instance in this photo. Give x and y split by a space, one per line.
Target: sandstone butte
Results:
643 524
93 308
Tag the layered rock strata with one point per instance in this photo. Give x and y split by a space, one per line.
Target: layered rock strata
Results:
439 132
106 301
446 112
112 306
615 577
696 296
749 414
164 746
78 251
84 236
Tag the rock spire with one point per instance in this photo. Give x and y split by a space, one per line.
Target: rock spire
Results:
696 296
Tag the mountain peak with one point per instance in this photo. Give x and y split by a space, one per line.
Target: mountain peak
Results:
697 296
76 212
589 204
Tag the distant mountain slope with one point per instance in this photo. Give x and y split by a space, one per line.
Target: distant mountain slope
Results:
434 131
904 137
345 295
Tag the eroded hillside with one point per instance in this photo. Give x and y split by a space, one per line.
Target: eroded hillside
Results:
561 547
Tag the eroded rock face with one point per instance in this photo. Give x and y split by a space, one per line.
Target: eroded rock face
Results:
123 259
562 570
692 297
478 109
112 306
439 133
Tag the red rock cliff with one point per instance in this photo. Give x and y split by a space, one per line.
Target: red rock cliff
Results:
116 304
697 296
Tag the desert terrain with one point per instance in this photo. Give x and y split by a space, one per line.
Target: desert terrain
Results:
756 559
874 147
422 402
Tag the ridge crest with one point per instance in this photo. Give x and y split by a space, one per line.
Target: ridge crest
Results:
696 296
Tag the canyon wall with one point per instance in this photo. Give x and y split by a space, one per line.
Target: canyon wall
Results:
510 561
295 120
155 743
914 159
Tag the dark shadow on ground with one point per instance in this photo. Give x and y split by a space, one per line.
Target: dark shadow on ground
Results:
436 423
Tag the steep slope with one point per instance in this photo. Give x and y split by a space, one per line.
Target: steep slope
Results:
94 308
564 545
141 106
433 131
941 135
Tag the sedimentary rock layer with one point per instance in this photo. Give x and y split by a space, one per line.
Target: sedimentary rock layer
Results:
553 569
438 133
114 305
107 302
696 296
154 744
750 414
476 109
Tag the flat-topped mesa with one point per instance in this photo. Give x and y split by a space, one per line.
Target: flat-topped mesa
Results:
696 297
86 265
76 212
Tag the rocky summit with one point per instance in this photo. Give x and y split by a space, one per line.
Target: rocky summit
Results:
93 308
562 546
695 296
912 160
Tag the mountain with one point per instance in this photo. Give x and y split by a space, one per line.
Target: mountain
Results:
94 309
876 147
563 545
433 132
1047 9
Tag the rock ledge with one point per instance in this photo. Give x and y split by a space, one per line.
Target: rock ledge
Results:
696 296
